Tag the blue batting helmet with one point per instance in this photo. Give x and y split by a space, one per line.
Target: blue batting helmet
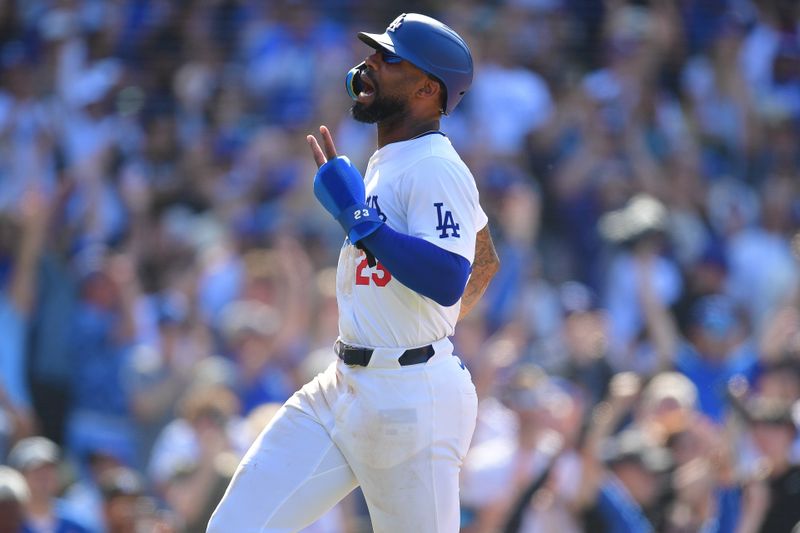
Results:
430 46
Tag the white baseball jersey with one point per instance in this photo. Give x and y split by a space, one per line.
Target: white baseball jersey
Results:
399 433
422 188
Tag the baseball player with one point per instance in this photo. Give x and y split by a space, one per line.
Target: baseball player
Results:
396 412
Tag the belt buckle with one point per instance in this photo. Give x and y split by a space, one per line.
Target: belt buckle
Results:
359 356
341 352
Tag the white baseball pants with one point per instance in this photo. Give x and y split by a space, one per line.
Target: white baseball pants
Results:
398 432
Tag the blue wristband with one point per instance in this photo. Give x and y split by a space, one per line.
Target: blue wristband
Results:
359 221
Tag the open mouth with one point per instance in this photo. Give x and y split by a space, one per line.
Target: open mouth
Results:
367 88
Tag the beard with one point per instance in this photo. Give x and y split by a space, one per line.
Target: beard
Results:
381 108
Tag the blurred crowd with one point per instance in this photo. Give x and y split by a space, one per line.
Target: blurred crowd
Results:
167 279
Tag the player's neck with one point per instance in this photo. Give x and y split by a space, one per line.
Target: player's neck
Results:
404 128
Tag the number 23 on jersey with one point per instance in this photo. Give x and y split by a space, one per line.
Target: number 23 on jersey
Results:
379 275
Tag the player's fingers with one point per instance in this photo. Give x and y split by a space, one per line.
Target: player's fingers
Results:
327 141
319 157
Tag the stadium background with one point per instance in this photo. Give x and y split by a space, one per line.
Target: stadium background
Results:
166 275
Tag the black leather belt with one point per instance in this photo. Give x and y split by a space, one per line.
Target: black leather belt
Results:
352 355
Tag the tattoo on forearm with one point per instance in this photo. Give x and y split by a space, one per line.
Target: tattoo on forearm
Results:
483 269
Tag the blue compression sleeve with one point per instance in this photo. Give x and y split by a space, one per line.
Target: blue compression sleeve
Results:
419 265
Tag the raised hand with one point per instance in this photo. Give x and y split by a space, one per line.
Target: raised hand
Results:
321 157
339 187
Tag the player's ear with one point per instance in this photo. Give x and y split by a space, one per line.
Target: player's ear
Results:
429 89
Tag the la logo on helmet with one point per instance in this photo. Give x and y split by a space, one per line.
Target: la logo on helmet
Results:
396 23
